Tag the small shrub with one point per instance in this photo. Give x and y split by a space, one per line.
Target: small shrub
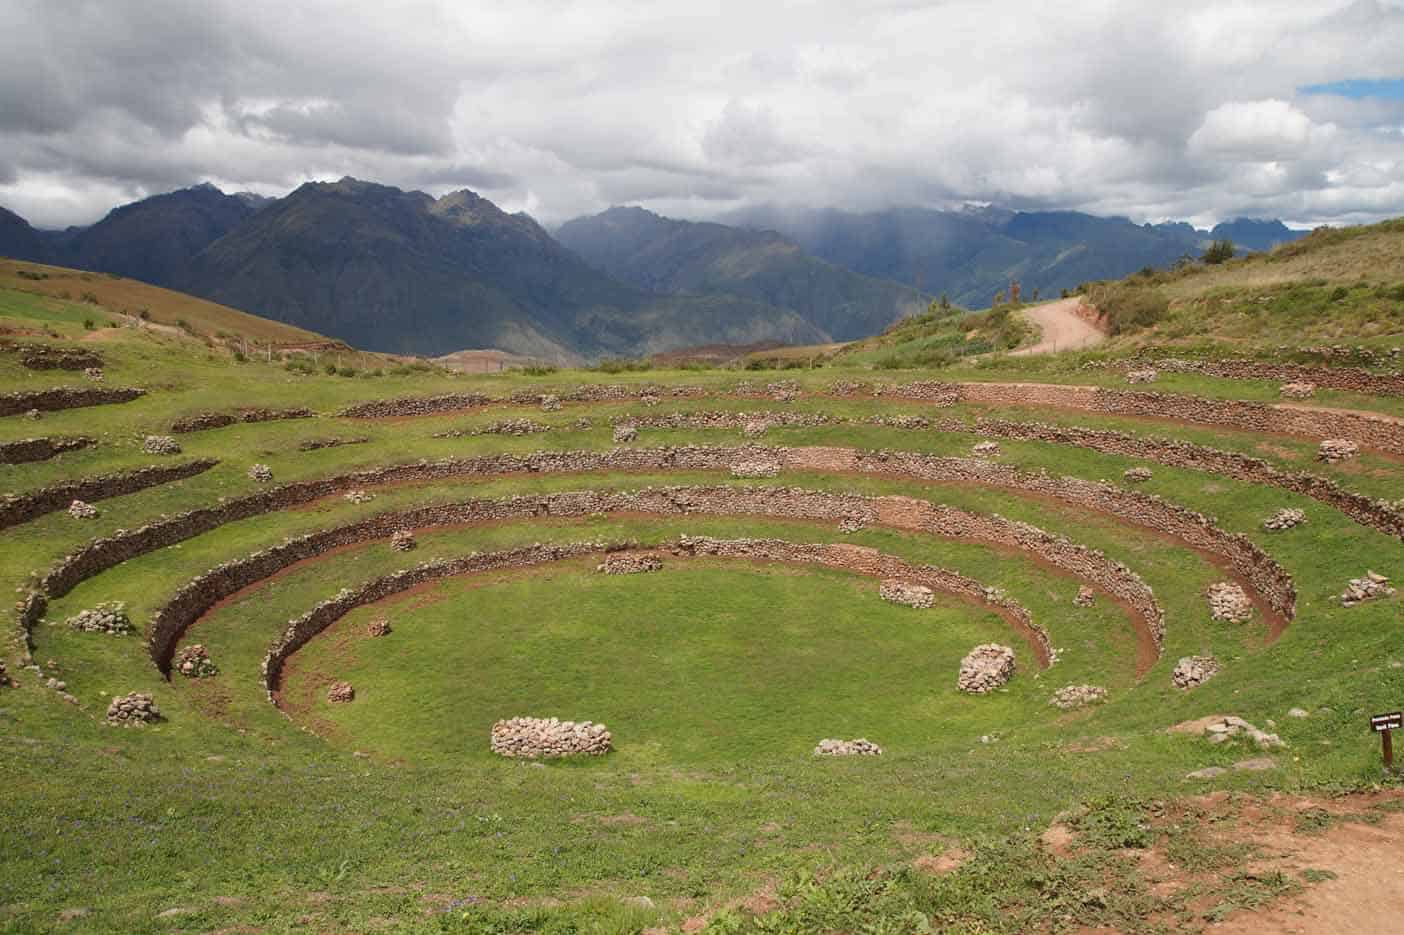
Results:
1220 251
330 370
90 298
1129 308
539 370
145 314
1339 293
89 324
346 372
240 357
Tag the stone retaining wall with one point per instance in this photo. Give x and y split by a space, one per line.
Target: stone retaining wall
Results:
15 510
65 397
41 449
1349 379
414 406
48 357
214 420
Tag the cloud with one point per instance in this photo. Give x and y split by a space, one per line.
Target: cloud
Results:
1201 109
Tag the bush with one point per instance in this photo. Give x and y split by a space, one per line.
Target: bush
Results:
1220 251
299 365
145 314
622 365
239 357
1129 308
539 370
346 372
89 324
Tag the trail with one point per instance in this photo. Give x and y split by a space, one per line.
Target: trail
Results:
1063 329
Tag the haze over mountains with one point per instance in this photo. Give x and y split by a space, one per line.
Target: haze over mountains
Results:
404 272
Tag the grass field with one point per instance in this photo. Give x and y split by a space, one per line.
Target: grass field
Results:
716 677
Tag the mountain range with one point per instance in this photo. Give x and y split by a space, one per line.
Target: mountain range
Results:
404 272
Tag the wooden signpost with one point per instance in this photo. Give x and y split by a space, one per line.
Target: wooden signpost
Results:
1383 724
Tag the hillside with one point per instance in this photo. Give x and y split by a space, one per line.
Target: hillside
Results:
682 257
19 240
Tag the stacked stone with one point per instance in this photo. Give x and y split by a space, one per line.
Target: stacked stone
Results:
1228 602
194 662
1148 375
1285 519
1137 475
624 434
903 422
1298 390
160 445
358 496
853 521
513 427
754 428
134 709
78 509
782 391
547 738
1191 671
109 617
402 540
755 469
985 668
378 627
1333 450
627 564
986 450
550 403
341 693
856 747
93 373
1086 597
906 593
1221 729
1077 696
649 399
261 473
1367 588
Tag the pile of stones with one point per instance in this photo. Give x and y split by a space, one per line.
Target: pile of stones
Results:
754 428
986 450
1366 588
985 668
134 709
514 427
535 738
4 676
1297 390
627 564
856 747
402 540
853 521
1148 375
79 509
1086 597
341 693
33 415
358 496
550 403
755 469
1076 696
1285 519
194 662
1229 603
93 373
109 617
160 445
1137 475
649 399
1221 729
623 434
1334 450
317 444
582 424
902 592
378 627
261 473
1194 670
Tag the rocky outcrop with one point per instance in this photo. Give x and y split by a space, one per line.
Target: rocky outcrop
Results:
133 710
906 593
856 747
41 449
985 668
536 738
65 397
1192 671
203 421
1229 603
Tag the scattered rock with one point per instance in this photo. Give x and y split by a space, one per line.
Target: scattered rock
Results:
1148 375
160 445
1086 597
358 496
624 434
1364 589
1137 475
1208 772
109 617
1285 519
1333 450
1229 603
625 563
755 469
33 415
1298 713
754 428
136 708
856 747
1222 727
378 627
1076 696
1297 390
906 593
1256 764
402 540
513 427
261 473
986 450
341 693
544 738
985 668
194 662
79 509
1191 671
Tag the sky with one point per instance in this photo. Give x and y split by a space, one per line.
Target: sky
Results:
1195 110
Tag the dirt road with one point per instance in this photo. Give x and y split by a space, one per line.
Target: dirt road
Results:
1062 328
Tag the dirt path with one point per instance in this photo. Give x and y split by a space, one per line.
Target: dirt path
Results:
1062 327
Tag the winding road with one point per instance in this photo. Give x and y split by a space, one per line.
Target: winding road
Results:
1062 328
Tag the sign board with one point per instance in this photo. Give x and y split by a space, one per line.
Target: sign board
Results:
1380 723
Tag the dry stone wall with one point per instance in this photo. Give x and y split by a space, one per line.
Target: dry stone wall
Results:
1349 379
65 397
48 357
214 420
414 406
17 509
41 449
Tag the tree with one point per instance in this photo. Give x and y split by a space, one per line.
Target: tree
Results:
945 302
1219 251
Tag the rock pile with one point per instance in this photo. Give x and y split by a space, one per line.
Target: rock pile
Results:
261 473
78 509
317 444
1334 450
629 564
853 521
341 693
985 668
358 496
1194 670
4 675
583 424
136 709
1229 603
1285 519
986 450
378 627
535 738
755 469
754 428
109 617
93 373
1297 390
160 445
514 427
856 747
33 415
402 540
550 403
1137 475
624 434
649 399
1364 589
1086 597
1221 729
1148 375
194 662
903 592
1076 696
